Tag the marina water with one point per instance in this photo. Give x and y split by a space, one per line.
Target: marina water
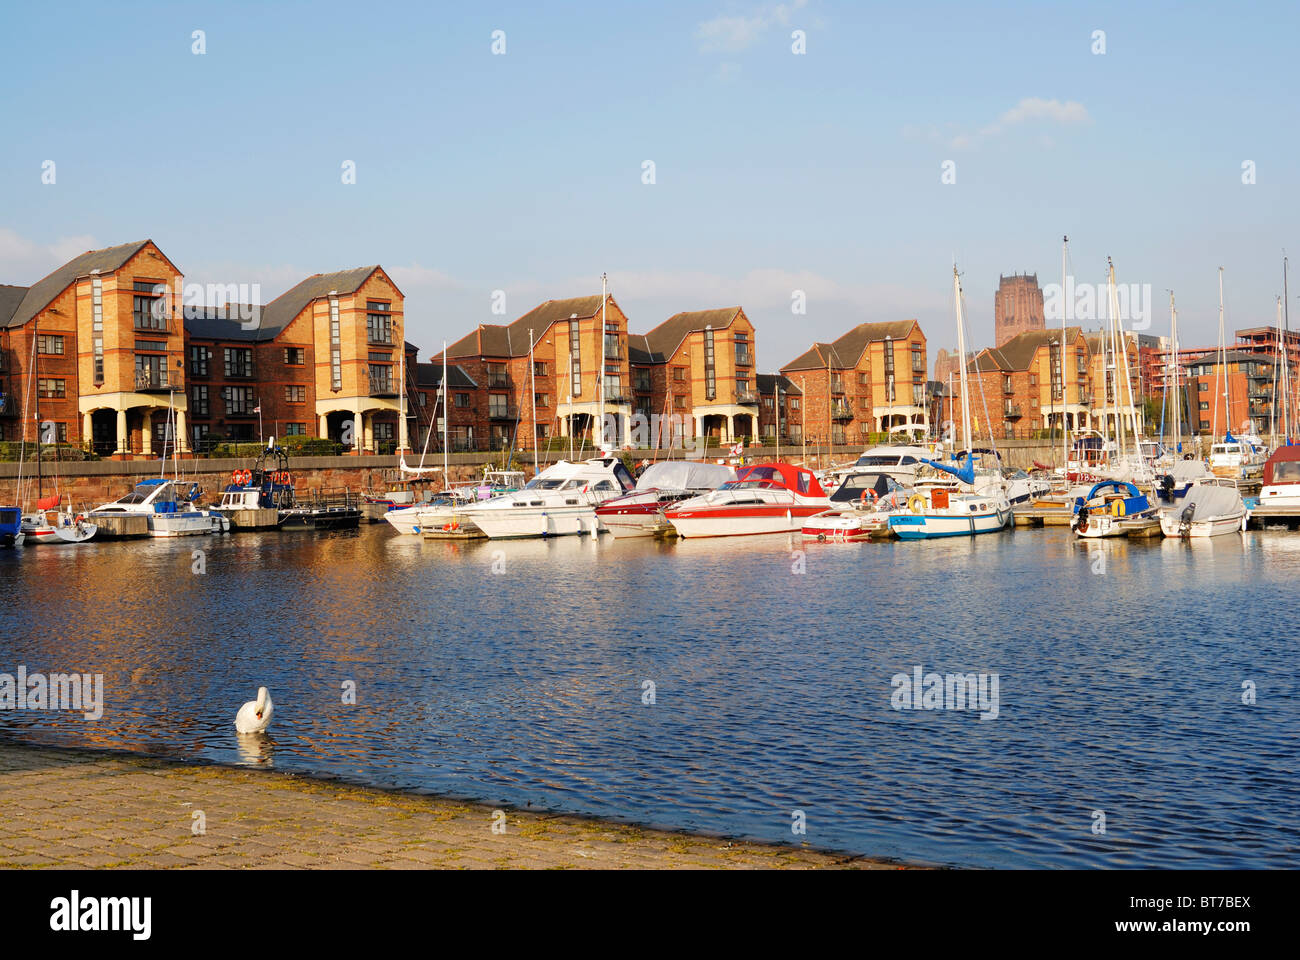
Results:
516 673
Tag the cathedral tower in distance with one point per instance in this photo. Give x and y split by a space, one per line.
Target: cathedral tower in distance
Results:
1017 307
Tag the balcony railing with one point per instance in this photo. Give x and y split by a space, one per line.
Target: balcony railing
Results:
841 411
744 358
618 398
148 380
503 413
746 397
1012 410
9 406
383 386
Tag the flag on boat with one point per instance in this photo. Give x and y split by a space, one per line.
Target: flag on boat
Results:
258 408
738 448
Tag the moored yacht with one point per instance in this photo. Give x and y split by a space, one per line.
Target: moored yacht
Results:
450 504
1281 487
560 500
861 507
641 512
171 512
766 498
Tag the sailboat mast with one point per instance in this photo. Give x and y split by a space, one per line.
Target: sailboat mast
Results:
600 374
1173 335
36 398
532 382
1113 310
961 365
1065 393
1221 371
1286 356
446 421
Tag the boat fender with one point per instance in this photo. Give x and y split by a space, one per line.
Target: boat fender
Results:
916 503
1118 508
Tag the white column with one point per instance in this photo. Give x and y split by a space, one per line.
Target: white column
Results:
123 441
87 427
146 431
182 437
324 430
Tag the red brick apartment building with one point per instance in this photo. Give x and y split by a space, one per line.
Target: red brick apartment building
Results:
870 380
780 410
119 356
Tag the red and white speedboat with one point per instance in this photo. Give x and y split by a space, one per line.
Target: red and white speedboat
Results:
767 498
860 509
641 513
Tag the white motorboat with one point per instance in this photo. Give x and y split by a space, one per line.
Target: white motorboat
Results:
863 504
1212 507
641 512
1112 508
171 512
1281 487
900 461
559 501
1236 459
450 506
766 498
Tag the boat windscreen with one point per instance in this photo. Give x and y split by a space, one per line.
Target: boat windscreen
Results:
543 483
855 485
1286 471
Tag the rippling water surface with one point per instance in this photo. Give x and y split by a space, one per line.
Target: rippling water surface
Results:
512 672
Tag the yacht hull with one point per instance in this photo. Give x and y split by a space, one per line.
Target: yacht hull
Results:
505 524
931 526
742 521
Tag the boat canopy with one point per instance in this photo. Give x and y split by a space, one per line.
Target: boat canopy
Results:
1119 486
1210 502
685 475
1277 468
1185 471
798 479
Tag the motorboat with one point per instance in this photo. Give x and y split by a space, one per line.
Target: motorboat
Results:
1280 490
561 500
862 503
169 508
449 505
641 512
1212 507
1112 508
900 461
764 498
1021 487
11 527
1175 483
1236 459
269 485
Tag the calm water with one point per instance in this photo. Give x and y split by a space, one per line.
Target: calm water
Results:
1120 691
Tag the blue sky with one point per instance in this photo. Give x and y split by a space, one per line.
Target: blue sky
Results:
774 172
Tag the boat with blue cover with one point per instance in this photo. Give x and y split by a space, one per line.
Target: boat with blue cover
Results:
1113 508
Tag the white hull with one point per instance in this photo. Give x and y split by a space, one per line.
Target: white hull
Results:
929 526
636 525
185 524
1170 526
736 525
502 524
1282 497
405 520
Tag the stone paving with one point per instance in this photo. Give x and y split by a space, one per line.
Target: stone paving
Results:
72 808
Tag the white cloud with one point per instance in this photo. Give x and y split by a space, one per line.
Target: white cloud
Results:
736 32
1029 112
24 261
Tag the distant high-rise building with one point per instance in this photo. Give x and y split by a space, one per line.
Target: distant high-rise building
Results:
1017 307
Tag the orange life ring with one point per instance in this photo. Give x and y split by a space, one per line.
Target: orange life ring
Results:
874 496
288 478
234 476
248 477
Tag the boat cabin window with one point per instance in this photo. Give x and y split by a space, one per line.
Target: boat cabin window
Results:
624 478
1288 471
856 484
879 461
605 486
803 483
142 492
543 483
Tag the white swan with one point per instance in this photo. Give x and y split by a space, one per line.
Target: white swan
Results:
255 716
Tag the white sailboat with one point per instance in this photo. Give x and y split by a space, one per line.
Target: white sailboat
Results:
967 509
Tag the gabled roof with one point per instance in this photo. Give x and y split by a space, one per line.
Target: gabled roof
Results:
662 342
228 322
511 340
10 298
1231 356
281 311
1018 353
42 293
430 375
767 384
845 352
